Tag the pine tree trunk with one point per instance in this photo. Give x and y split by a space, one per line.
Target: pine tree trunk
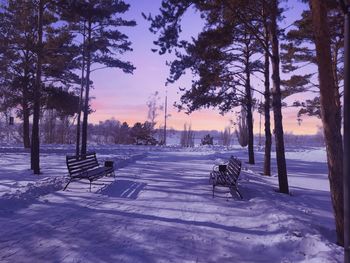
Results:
346 138
330 112
77 146
87 90
26 112
268 137
276 102
50 126
248 98
249 119
35 149
26 128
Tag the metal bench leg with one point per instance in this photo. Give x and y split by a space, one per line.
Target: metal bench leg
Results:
67 185
90 185
239 193
213 190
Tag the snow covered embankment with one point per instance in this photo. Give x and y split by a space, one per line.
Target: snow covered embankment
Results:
17 194
27 195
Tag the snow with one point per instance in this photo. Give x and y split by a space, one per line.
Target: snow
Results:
159 208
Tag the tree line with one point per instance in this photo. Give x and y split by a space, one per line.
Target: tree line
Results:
242 41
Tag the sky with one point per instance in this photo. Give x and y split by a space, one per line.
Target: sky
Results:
123 96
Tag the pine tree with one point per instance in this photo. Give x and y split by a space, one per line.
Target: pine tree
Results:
167 24
330 110
276 99
317 39
267 95
104 42
299 51
49 49
222 57
20 22
35 147
18 18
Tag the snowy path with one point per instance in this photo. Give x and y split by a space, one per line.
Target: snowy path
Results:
160 209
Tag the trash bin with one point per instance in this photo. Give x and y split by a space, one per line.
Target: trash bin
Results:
109 167
109 164
222 167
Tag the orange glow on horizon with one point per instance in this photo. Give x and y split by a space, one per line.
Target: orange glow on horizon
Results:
201 120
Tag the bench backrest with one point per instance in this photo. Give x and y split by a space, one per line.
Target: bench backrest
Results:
234 167
78 163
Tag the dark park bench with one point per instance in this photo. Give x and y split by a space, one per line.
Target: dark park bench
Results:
227 175
87 167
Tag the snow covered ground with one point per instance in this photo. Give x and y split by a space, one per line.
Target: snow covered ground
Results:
159 208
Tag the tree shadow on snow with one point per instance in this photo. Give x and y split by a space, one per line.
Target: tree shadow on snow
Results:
123 189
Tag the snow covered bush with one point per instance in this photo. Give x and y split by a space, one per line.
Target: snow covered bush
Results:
207 140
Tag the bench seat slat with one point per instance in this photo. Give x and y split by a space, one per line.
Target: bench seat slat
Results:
84 166
81 162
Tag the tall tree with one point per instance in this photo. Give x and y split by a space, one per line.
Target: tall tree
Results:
104 42
330 111
71 14
82 85
276 99
49 51
20 25
222 57
299 51
35 147
267 95
268 20
18 18
167 24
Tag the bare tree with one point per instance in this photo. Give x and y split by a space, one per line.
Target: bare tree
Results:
242 128
187 136
226 136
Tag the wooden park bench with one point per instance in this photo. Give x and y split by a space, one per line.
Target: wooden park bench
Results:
87 167
227 175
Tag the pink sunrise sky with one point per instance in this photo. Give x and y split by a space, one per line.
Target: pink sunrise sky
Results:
123 96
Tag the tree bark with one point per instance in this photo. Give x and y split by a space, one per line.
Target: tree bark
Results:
77 147
35 149
25 107
276 102
267 95
26 128
248 98
346 132
26 114
249 118
330 112
87 90
267 124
